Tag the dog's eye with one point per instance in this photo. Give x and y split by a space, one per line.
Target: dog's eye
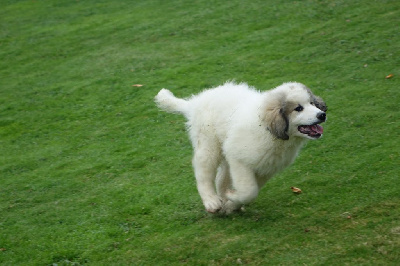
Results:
312 103
299 108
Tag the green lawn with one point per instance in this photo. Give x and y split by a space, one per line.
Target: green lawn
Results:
92 173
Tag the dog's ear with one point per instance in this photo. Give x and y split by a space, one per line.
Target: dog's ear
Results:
276 118
319 103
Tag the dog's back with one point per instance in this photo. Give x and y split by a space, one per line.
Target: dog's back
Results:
220 101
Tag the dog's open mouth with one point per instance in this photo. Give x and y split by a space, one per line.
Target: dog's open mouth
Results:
313 131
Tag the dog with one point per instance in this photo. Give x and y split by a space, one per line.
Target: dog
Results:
242 137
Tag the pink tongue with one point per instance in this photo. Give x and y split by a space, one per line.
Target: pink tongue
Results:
317 128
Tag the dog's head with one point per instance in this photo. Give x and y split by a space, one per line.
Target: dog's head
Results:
292 110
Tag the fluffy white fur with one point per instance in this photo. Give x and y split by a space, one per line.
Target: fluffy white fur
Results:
242 137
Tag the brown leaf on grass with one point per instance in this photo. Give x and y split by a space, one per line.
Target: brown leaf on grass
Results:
296 190
347 215
137 85
389 76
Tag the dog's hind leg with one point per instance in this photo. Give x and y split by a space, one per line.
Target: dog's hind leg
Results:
223 180
205 163
224 185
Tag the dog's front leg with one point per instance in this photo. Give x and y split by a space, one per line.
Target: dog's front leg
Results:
244 183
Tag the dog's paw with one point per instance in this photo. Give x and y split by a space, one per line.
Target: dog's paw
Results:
231 195
212 204
243 196
230 207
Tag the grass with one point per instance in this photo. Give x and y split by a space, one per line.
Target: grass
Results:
92 173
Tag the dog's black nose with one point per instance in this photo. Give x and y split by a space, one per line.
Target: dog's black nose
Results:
321 116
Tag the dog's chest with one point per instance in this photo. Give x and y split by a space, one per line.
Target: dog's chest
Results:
276 159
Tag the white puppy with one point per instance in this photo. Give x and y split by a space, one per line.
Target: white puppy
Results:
242 137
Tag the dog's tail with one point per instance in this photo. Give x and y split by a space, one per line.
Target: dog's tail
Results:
166 101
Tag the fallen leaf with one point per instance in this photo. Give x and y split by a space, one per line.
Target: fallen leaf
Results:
3 249
296 190
346 215
389 76
137 85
